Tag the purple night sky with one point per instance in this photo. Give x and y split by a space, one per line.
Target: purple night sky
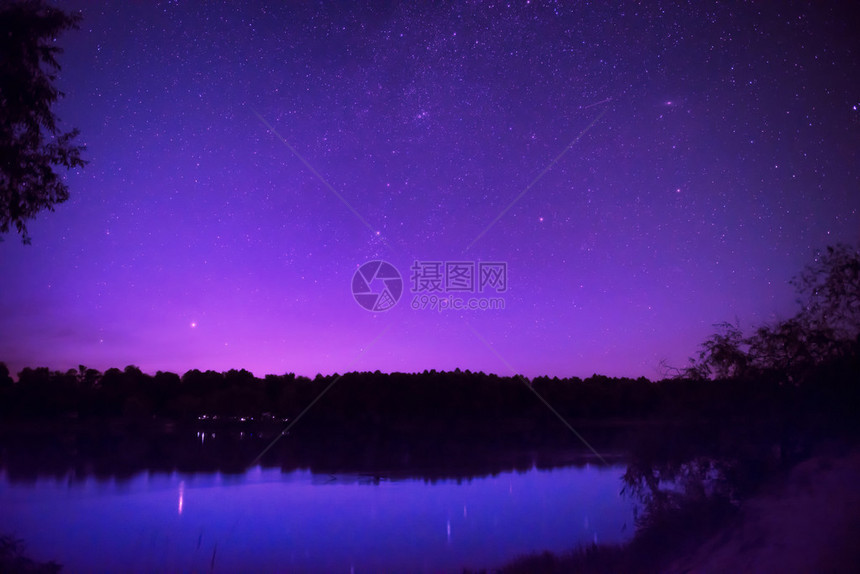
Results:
719 148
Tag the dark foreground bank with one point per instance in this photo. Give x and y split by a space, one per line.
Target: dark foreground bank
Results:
804 518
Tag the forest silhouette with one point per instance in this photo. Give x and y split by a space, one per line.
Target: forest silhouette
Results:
805 366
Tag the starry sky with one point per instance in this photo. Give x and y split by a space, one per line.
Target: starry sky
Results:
644 170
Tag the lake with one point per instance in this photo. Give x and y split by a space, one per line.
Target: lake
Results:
271 519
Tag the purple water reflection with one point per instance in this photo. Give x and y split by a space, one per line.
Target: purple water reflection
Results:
265 520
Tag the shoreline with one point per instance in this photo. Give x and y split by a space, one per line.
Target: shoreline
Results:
805 521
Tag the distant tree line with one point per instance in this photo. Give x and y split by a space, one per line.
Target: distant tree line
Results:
430 401
805 364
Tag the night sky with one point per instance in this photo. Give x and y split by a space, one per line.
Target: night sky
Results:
644 171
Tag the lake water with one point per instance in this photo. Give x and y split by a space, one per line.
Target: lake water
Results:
298 521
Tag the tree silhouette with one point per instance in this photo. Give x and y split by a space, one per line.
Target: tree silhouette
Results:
5 379
722 354
825 329
31 143
831 287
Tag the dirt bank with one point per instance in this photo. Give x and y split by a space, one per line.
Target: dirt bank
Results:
809 521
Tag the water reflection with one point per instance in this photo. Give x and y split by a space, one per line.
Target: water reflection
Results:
266 520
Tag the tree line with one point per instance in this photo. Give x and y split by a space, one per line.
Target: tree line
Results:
400 401
807 363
